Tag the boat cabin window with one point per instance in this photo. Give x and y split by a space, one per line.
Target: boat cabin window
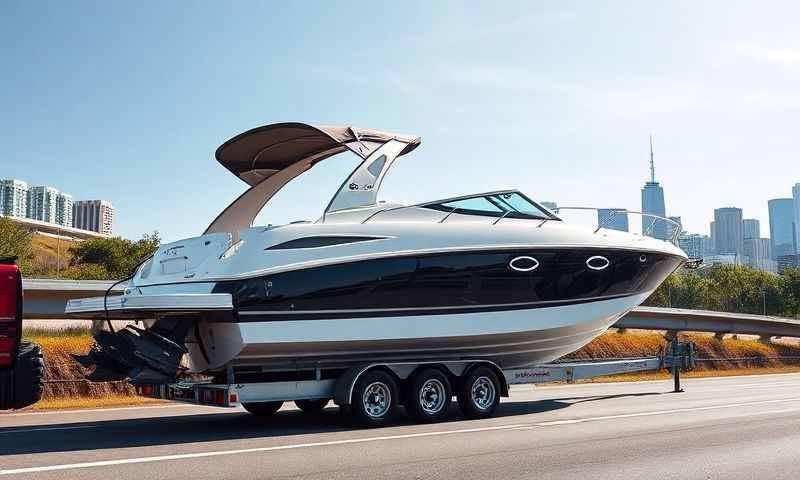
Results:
500 204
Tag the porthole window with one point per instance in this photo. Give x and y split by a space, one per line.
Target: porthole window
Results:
597 262
523 263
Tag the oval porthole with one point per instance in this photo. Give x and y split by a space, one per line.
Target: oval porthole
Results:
598 262
523 264
643 258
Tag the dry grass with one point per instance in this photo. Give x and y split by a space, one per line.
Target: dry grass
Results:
67 403
48 250
57 345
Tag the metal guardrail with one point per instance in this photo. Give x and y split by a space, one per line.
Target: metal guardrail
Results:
683 320
46 299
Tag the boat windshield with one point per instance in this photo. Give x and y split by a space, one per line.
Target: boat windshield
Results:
511 204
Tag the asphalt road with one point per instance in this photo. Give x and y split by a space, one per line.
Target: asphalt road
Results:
731 428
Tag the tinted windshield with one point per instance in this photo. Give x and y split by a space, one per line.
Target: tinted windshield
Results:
502 204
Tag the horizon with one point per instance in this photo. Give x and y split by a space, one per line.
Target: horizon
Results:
128 103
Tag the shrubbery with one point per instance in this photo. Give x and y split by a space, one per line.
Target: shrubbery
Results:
728 288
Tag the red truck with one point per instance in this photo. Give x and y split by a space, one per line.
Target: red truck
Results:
21 363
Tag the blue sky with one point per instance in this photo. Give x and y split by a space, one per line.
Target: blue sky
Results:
128 101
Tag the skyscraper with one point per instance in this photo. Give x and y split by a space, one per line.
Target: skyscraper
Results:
781 234
47 204
728 231
674 231
694 244
13 198
613 218
751 228
653 203
94 215
796 196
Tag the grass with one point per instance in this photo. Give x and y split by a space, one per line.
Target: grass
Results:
48 250
120 400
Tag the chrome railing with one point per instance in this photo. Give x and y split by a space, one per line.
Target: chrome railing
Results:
673 228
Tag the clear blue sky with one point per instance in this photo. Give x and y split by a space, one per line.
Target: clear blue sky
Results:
128 101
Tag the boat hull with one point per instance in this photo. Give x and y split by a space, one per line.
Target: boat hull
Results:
510 338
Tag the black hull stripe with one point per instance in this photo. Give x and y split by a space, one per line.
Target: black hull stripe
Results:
283 316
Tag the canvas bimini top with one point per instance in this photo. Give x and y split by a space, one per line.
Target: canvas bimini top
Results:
269 157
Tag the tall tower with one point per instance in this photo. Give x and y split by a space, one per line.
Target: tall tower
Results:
653 203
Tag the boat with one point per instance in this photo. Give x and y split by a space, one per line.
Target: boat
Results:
491 276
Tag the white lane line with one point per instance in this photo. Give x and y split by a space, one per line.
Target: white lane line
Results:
111 409
766 385
664 412
45 429
182 456
519 426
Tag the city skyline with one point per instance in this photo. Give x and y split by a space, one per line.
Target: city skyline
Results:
44 203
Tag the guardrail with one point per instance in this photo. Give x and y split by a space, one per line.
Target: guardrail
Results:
46 299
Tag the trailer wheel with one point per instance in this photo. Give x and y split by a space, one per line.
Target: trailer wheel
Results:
479 394
312 407
428 396
374 400
22 386
262 409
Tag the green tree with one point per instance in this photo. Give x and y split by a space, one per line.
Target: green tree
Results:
15 241
110 258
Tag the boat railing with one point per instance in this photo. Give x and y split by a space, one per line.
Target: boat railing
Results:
672 229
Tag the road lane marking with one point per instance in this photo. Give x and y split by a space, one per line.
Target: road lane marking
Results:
766 384
45 429
218 453
663 412
519 426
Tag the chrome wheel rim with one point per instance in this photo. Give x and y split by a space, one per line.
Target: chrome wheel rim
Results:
432 396
483 393
377 399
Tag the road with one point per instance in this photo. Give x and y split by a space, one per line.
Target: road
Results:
731 428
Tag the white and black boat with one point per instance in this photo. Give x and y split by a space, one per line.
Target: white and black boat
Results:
491 276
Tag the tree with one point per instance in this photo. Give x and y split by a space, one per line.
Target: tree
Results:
111 258
15 241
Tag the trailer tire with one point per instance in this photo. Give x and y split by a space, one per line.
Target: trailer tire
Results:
262 409
479 394
428 397
374 400
23 385
312 407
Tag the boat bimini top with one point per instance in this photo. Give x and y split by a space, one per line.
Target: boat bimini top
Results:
269 157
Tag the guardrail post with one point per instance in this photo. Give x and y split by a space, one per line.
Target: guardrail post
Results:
676 369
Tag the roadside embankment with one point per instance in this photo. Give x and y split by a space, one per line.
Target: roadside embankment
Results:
66 387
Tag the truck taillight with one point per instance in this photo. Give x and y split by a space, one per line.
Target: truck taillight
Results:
10 298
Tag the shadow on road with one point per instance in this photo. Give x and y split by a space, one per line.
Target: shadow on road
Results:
228 425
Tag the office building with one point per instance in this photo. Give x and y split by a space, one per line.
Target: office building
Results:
728 232
674 231
788 261
796 197
653 203
781 233
756 251
751 228
694 244
613 218
94 215
13 198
